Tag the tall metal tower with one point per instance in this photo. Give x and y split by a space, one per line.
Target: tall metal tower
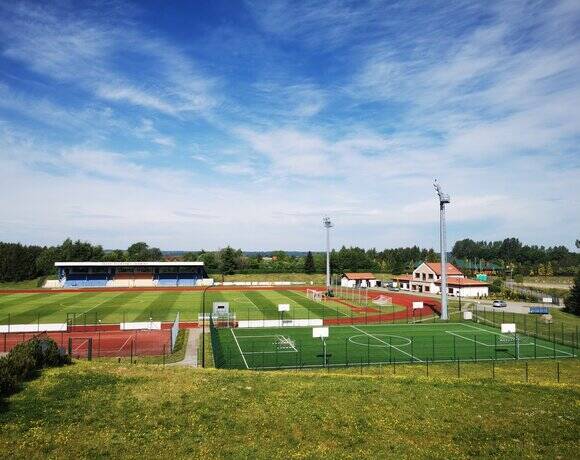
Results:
327 224
443 200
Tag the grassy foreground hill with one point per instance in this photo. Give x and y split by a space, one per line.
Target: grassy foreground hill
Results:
102 410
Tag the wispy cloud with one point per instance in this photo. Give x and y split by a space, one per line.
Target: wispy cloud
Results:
270 114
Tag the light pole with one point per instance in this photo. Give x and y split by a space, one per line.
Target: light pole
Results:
327 224
203 325
443 200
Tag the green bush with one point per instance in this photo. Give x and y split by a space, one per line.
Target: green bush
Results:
26 359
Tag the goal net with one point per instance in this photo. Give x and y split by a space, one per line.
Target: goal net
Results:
284 343
315 295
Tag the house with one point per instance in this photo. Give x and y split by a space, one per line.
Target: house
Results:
353 280
427 278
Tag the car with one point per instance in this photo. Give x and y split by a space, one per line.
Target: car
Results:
499 304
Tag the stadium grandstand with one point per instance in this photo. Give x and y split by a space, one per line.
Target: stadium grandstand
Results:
129 274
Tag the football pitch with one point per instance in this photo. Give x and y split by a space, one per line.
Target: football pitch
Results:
114 307
284 348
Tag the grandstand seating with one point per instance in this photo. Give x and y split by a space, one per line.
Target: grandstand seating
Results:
83 281
167 279
187 279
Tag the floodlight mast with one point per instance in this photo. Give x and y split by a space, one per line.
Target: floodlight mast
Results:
327 224
443 200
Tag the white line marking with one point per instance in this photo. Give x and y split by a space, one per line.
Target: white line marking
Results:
123 346
537 344
240 348
467 338
320 303
254 304
99 304
386 343
80 345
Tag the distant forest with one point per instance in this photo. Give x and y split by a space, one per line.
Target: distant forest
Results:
19 262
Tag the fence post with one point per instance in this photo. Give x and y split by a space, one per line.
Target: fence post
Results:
458 371
427 364
90 349
454 349
475 345
132 344
558 371
433 350
526 372
493 369
70 346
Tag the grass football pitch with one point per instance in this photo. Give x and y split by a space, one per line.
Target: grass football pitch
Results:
376 344
115 307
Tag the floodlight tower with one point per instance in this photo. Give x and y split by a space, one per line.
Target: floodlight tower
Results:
443 200
327 224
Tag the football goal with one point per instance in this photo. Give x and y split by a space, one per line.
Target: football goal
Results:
313 294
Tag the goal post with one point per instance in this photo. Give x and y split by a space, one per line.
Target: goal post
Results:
315 295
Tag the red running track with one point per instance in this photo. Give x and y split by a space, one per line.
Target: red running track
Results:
105 342
431 307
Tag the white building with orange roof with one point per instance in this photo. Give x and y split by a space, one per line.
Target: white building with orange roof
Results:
427 278
353 280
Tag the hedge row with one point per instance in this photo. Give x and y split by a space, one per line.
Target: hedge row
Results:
26 359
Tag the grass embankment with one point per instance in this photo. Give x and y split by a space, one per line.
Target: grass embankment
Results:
106 410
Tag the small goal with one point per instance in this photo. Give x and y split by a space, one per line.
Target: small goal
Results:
313 294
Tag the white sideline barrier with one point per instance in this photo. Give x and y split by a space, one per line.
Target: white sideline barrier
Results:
51 327
259 283
144 283
280 323
150 325
417 305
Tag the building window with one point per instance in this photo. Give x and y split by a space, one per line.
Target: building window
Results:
418 275
430 276
427 288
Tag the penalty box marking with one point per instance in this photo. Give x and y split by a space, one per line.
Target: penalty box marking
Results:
537 344
483 343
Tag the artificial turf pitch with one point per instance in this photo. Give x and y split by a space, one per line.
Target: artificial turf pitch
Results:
275 348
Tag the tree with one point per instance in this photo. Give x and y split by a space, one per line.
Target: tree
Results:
309 266
572 302
141 252
227 261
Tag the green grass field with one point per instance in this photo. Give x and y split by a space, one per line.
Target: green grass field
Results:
115 307
277 348
106 410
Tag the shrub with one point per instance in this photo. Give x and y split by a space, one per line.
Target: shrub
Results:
26 359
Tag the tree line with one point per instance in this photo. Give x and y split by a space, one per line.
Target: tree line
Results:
19 262
520 259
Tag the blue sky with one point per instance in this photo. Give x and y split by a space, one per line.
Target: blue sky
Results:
201 124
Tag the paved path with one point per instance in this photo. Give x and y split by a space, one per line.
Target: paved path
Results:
190 358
